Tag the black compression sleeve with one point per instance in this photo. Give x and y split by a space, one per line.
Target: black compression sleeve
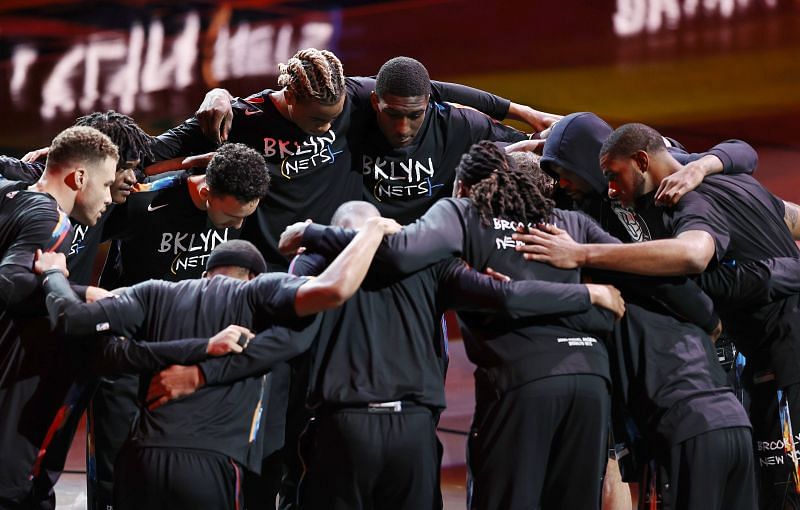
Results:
118 354
68 314
264 351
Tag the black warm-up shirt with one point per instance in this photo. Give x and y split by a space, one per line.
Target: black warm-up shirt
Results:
85 240
220 418
664 400
311 175
33 383
382 344
404 182
163 234
746 223
512 352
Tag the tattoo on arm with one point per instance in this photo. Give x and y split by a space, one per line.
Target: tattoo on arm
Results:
792 217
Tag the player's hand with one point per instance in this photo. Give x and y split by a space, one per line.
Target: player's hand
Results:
173 382
215 115
496 275
550 244
231 339
386 226
35 155
96 294
292 238
535 146
45 261
608 297
674 186
537 120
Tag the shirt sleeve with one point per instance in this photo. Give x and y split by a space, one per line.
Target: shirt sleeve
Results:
14 169
695 212
482 127
119 354
264 351
437 235
122 315
48 230
308 264
592 231
468 290
490 104
183 140
681 295
273 295
737 156
752 283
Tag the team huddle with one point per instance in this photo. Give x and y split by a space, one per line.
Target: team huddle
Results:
267 328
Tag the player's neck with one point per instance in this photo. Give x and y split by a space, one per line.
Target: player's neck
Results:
64 196
662 165
278 98
195 183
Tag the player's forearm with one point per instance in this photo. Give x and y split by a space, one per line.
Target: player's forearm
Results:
115 355
343 277
665 257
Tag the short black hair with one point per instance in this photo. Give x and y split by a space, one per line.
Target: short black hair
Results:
239 171
237 253
403 77
132 142
627 139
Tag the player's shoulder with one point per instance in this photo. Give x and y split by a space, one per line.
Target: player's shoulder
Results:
30 204
252 107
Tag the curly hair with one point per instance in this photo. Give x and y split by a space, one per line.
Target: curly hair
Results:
80 145
403 77
239 171
133 143
499 189
313 74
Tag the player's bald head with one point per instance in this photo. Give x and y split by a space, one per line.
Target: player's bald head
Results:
354 214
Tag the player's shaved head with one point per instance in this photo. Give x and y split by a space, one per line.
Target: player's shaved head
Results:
354 214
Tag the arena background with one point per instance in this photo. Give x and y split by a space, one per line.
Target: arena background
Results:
699 70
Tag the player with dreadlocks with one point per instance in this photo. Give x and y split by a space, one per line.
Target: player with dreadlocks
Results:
134 147
550 376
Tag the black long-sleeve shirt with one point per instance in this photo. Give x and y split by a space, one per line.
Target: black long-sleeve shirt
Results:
85 240
225 418
381 344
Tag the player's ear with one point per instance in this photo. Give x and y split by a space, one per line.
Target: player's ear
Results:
76 179
642 159
204 192
374 100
